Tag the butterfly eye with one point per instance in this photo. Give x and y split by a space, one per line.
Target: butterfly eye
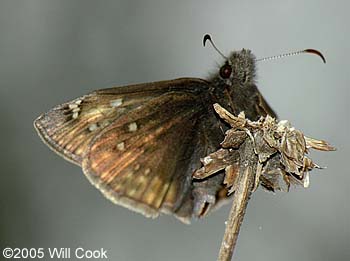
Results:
225 71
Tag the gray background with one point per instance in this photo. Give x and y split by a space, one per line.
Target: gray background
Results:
53 51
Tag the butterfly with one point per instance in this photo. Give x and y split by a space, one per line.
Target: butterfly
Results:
140 144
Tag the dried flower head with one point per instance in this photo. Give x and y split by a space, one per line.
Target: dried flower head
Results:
280 150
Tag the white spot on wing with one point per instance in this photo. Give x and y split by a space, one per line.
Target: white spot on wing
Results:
93 127
75 115
75 109
133 126
121 146
116 103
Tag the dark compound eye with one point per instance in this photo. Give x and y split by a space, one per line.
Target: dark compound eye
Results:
225 71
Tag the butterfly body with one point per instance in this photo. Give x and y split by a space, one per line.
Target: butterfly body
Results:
140 144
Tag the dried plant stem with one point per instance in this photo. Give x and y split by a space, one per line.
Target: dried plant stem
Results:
245 185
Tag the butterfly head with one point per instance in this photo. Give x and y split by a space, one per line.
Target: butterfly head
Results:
238 69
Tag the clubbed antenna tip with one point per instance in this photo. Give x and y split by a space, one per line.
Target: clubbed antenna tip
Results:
312 51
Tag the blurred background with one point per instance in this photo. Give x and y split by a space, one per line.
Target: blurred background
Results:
54 51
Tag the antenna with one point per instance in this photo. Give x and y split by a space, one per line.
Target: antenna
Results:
312 51
206 38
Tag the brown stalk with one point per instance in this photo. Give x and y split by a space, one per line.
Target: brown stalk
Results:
244 188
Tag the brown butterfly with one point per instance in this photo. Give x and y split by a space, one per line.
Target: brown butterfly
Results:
140 144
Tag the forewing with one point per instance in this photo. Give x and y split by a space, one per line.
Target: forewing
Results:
144 160
69 128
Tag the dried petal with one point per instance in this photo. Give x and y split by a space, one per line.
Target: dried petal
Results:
306 180
318 144
275 175
233 138
258 174
215 162
262 148
231 173
235 122
293 145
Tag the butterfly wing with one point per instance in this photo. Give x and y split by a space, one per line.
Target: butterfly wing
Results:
138 144
69 128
